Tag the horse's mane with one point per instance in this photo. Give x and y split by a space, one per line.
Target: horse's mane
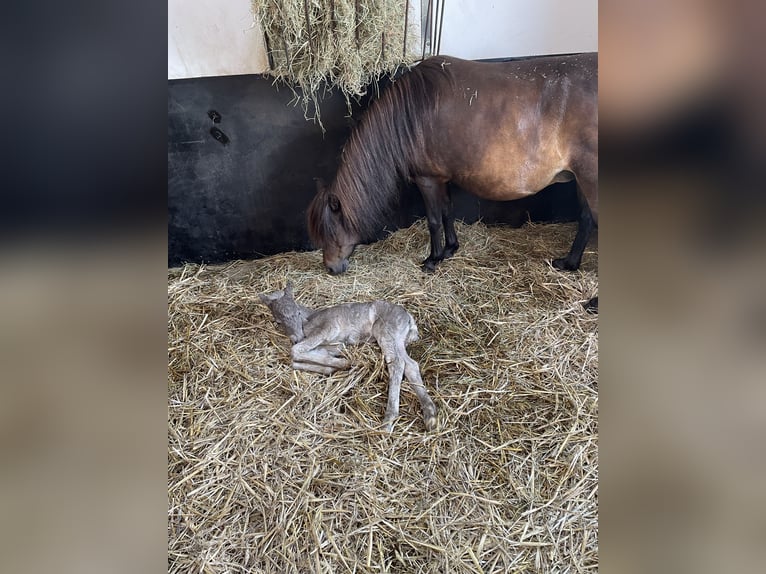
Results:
390 138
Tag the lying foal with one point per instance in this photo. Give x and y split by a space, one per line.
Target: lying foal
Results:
318 337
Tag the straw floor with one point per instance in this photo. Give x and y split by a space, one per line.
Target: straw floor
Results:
272 470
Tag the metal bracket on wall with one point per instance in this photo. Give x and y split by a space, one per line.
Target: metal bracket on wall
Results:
219 135
431 20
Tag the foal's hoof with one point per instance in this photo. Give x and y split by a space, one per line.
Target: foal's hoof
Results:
563 264
429 415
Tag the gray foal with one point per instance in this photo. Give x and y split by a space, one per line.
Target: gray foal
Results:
319 335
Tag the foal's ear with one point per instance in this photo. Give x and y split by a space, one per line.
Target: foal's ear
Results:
265 299
289 289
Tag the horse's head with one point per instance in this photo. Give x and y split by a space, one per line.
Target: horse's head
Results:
329 229
287 314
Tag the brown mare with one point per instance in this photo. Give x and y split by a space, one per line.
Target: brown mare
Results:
499 130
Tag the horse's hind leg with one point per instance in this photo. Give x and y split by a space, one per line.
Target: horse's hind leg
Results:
585 225
591 305
584 228
435 198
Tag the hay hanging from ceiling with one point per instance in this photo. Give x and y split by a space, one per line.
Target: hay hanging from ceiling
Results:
276 471
319 44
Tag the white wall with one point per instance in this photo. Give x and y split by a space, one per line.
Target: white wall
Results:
219 38
475 29
214 38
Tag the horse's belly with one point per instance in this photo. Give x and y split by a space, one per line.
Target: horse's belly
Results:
506 185
510 167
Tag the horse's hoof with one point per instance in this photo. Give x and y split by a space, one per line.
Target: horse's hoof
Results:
429 266
431 423
591 306
388 426
450 250
563 264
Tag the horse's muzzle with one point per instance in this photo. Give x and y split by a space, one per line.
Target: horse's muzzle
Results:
338 268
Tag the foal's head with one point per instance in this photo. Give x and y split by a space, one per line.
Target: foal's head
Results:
329 229
287 314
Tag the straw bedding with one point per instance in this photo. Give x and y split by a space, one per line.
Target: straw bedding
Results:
272 470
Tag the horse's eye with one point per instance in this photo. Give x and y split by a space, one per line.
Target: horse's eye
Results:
334 203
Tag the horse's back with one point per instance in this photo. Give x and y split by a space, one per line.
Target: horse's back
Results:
505 130
584 64
456 75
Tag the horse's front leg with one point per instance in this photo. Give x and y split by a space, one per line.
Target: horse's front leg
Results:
451 244
434 192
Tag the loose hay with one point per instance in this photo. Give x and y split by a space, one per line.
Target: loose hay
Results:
271 470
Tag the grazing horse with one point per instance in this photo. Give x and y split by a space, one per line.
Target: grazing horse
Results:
318 337
501 130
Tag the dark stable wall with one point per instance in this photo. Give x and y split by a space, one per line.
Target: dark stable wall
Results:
242 163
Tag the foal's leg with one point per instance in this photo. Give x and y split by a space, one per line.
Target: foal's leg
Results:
395 364
434 194
400 363
313 368
412 372
313 350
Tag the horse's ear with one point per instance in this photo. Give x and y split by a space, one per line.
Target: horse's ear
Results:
265 299
320 183
333 203
289 289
